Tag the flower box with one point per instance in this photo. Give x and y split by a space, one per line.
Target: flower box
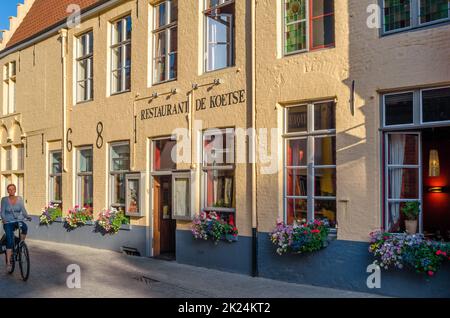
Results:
209 226
126 227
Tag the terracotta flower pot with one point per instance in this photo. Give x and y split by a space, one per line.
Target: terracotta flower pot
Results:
411 226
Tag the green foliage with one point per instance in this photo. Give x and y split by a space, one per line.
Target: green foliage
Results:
411 210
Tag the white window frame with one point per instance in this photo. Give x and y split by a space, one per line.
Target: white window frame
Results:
387 200
112 173
166 28
9 89
80 174
310 135
139 178
231 55
121 46
52 177
414 18
89 59
283 6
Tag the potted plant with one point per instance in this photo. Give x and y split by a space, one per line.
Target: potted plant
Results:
411 212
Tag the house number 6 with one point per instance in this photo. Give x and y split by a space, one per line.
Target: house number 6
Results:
69 142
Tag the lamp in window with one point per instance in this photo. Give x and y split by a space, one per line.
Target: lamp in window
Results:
435 168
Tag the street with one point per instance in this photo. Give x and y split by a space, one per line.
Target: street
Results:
110 274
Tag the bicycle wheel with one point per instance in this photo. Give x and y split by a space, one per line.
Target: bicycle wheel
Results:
24 261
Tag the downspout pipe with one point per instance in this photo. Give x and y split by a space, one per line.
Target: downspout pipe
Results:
255 271
63 37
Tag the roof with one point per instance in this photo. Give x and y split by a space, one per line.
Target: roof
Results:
43 15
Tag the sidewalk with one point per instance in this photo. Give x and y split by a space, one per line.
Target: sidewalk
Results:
110 274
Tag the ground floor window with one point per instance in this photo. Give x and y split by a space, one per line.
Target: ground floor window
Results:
310 162
85 180
119 167
55 177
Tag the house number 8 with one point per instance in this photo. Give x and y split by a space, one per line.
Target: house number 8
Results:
99 135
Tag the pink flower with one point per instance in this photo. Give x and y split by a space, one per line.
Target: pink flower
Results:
315 231
430 273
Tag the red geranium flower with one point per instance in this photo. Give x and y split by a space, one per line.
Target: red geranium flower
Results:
430 273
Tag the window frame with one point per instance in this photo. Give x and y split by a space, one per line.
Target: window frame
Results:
112 174
231 49
386 167
121 46
9 90
182 175
421 109
166 28
79 175
52 176
139 178
205 169
414 19
310 135
89 58
309 29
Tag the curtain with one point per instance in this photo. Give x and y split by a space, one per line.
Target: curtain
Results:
396 157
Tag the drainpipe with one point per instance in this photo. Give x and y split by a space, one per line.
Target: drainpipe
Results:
63 35
253 143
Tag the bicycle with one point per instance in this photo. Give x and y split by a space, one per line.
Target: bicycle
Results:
20 254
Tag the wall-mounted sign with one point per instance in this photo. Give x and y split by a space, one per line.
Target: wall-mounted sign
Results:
216 101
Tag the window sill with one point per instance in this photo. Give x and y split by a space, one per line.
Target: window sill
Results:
120 93
163 82
83 102
296 53
220 210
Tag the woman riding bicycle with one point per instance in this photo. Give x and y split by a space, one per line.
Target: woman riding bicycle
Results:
13 213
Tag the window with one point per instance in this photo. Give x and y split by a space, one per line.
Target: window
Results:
164 155
85 67
219 170
181 196
20 158
165 41
310 162
219 34
402 174
401 14
417 108
55 177
8 159
308 25
84 178
121 55
133 195
9 88
119 167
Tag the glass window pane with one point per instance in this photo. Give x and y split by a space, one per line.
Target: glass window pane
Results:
160 70
173 40
297 154
20 158
432 10
323 31
86 188
120 156
117 32
12 69
133 196
218 148
56 162
403 149
322 7
295 37
297 210
127 78
161 15
436 105
297 180
326 209
117 58
118 190
403 183
116 81
325 182
128 28
324 116
297 119
399 109
57 188
219 41
164 155
220 188
173 64
182 197
82 70
85 160
397 14
160 44
295 10
173 11
324 151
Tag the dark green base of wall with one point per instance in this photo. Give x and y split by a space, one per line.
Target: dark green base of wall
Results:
343 265
85 236
230 257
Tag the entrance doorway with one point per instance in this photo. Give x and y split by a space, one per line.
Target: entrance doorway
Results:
163 223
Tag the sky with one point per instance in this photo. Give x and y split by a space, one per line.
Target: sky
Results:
7 9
